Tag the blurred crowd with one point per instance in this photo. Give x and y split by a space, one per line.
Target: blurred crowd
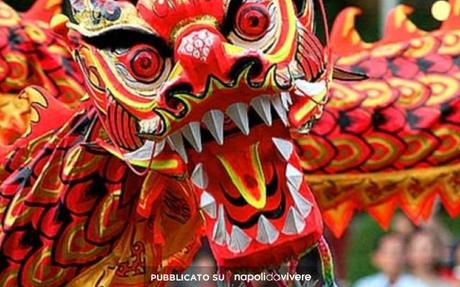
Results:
409 256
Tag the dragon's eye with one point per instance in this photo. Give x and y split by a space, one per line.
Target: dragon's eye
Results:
145 63
252 20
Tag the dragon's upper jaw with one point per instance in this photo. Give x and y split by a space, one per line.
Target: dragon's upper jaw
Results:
231 113
246 173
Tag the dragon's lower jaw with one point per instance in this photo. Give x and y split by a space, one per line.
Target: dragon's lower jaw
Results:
259 211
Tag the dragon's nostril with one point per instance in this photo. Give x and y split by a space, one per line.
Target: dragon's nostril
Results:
174 104
240 65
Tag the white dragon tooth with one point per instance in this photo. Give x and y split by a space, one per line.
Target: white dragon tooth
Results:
219 233
266 232
214 121
278 105
144 127
192 133
262 106
301 203
142 153
284 147
239 114
176 142
239 240
153 127
294 223
159 148
294 176
200 177
311 89
208 204
149 126
286 99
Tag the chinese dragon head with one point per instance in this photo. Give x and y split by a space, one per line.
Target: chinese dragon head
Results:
212 90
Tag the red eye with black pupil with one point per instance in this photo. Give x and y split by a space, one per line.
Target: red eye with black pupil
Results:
252 20
145 64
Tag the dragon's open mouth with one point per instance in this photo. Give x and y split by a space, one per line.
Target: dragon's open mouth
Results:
246 171
254 197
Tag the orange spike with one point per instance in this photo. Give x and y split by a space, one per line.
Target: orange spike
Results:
337 219
344 37
453 22
383 212
44 10
399 27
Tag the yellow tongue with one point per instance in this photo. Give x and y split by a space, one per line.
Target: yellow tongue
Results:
245 171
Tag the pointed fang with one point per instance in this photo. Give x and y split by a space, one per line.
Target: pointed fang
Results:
239 114
294 176
214 121
208 204
176 143
284 147
219 233
192 133
200 177
294 223
262 106
266 232
239 240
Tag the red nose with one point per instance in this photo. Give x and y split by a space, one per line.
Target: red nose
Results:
201 52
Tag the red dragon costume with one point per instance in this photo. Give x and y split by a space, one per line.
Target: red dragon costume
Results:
202 103
187 131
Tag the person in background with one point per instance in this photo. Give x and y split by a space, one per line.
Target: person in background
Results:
403 226
443 237
423 258
389 258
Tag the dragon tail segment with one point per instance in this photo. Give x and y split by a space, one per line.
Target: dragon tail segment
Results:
344 37
392 141
399 27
